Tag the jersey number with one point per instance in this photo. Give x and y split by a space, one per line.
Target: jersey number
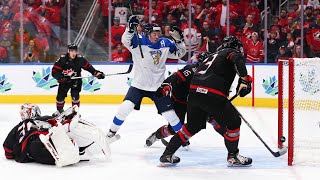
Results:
25 127
206 64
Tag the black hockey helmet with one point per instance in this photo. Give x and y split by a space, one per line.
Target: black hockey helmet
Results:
231 42
203 55
149 28
72 46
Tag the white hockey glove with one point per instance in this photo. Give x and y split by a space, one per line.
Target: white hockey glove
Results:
176 33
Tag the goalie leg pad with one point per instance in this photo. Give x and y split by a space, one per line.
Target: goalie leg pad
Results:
91 133
61 148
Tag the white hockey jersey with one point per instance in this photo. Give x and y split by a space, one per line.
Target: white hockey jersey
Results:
149 71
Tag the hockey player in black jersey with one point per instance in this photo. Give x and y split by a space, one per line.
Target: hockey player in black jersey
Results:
64 69
50 140
177 87
208 94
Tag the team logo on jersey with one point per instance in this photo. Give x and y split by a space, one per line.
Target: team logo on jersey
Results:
69 72
309 81
44 80
316 35
4 84
270 86
91 84
156 55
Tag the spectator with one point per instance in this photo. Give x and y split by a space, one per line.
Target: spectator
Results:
167 29
116 32
121 55
14 6
308 18
6 15
17 39
221 14
276 27
120 3
313 37
283 53
43 46
7 42
296 11
255 49
253 10
3 55
45 11
172 5
55 18
137 9
192 38
31 53
283 20
104 11
156 15
170 19
247 29
27 17
194 3
273 46
297 52
33 3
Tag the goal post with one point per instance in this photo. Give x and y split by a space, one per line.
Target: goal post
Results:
299 109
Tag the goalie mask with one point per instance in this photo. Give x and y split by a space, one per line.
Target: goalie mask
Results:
29 111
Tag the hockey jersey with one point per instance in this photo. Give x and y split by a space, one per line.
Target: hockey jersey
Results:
216 74
313 36
18 140
180 82
149 71
254 52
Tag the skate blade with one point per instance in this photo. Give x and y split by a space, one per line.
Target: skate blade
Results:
238 165
161 164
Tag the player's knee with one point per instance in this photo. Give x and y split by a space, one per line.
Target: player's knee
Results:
125 109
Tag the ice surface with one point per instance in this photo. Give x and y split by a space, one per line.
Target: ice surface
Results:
130 160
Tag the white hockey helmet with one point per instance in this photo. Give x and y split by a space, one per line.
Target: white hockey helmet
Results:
29 111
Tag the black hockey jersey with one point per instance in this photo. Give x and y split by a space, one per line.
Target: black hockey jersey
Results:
18 140
216 74
65 66
180 82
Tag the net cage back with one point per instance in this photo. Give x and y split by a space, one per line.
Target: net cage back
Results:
300 109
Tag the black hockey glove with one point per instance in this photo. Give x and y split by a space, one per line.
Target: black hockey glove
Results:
99 75
164 90
65 79
176 33
133 23
244 86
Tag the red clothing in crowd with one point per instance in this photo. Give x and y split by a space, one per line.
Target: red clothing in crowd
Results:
55 18
116 33
255 51
156 16
17 38
283 22
241 6
194 3
173 4
15 6
255 12
35 5
41 43
104 7
48 12
313 36
120 57
218 13
160 4
3 53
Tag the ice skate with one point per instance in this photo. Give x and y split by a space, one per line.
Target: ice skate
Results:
151 139
236 160
169 160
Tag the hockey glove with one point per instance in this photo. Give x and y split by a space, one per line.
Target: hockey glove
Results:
64 79
99 75
176 33
244 86
133 23
164 90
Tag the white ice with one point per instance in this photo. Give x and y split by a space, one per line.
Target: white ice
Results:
131 160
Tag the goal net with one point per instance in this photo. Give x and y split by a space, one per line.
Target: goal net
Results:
299 109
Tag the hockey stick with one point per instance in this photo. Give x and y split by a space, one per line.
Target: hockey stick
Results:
127 72
281 151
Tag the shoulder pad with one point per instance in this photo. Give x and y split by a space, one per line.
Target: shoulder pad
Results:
79 56
62 55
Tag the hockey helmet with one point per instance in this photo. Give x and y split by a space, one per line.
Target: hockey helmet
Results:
29 111
72 46
149 28
231 42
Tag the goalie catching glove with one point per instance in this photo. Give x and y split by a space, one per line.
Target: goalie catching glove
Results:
176 33
244 86
164 90
99 75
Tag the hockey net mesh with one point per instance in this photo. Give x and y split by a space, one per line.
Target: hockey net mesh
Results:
306 110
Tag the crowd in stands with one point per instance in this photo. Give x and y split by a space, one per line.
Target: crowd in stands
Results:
209 26
43 22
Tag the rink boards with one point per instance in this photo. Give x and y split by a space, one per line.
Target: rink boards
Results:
34 84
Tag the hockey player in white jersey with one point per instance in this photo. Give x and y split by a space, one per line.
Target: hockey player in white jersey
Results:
149 53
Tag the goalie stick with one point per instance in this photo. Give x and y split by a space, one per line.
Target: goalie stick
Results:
127 72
